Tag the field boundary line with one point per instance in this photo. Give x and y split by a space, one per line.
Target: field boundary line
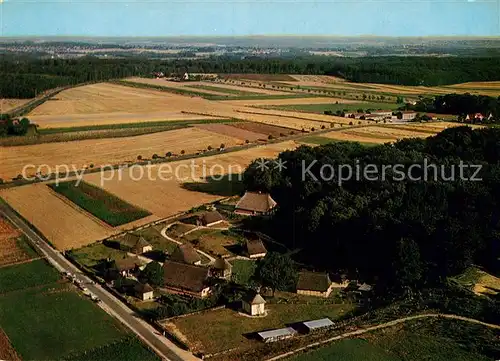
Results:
382 326
21 262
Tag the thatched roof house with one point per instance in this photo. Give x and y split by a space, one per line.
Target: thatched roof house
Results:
255 203
134 243
212 218
186 278
186 253
314 284
255 248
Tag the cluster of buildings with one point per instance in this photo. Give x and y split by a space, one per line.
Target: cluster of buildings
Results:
381 115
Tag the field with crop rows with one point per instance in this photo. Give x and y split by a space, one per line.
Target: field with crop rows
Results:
8 104
11 250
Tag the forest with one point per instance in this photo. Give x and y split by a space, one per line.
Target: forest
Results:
399 232
24 76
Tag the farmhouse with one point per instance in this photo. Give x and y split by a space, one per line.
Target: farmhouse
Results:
255 203
127 267
209 219
255 248
408 116
254 304
277 335
323 323
134 243
186 279
143 291
314 284
222 268
185 253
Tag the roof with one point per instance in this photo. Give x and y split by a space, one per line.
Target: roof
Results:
313 281
315 324
255 246
184 276
134 241
365 287
256 202
126 264
221 264
211 217
185 253
277 333
143 288
254 299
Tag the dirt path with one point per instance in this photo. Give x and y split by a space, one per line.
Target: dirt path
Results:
382 326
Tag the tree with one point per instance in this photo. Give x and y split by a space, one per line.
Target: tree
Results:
270 137
139 157
155 156
183 151
247 141
222 146
152 273
209 148
277 271
168 154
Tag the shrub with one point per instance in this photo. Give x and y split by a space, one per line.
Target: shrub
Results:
222 146
270 137
350 123
313 129
139 157
183 151
91 165
168 154
247 141
155 156
282 135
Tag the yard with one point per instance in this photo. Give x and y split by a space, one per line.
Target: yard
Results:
228 328
153 236
213 241
93 254
242 271
100 203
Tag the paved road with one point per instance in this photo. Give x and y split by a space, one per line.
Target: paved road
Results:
162 346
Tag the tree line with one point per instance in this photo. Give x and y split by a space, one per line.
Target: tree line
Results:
26 76
399 233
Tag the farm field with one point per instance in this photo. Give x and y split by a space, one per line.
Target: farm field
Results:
321 108
177 85
480 282
8 104
110 151
234 132
260 77
237 90
262 128
67 226
98 202
11 249
290 101
314 140
26 275
7 352
228 327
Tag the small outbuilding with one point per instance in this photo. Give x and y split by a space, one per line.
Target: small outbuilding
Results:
143 292
277 335
255 249
314 325
186 253
209 219
254 304
222 268
314 284
128 266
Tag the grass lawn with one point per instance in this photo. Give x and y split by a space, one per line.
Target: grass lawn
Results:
154 237
93 254
479 281
319 140
52 322
126 349
105 206
321 108
227 327
212 241
242 271
25 275
347 350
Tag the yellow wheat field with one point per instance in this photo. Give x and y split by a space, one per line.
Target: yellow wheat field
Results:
8 104
108 151
290 101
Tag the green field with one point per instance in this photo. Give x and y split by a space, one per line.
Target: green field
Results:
93 254
321 108
348 350
122 350
25 275
433 340
100 203
50 322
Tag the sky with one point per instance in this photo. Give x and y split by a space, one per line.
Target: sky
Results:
249 17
